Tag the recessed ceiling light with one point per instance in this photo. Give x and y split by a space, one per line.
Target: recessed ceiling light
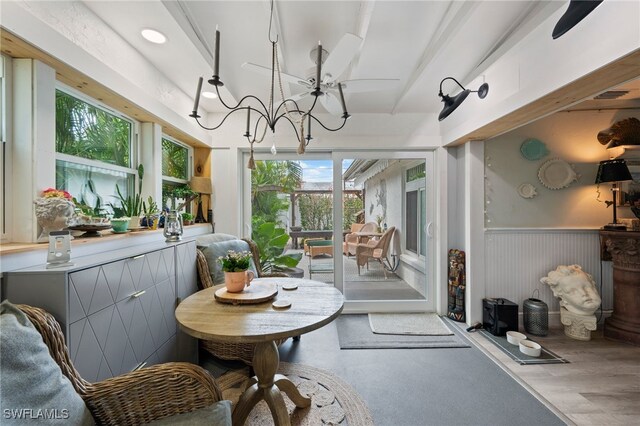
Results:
153 36
209 95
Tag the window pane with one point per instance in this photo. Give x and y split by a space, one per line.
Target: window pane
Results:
423 222
93 186
175 160
89 132
411 221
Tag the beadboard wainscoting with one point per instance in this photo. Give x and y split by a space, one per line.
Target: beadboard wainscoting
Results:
516 259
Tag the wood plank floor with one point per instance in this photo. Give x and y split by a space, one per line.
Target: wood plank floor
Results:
600 386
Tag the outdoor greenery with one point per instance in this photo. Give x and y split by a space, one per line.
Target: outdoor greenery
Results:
175 160
316 211
351 207
173 193
271 241
268 180
86 131
130 205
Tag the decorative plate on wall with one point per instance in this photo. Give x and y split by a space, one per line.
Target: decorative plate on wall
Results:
556 174
533 149
526 190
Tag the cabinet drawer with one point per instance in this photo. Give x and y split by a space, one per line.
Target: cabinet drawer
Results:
89 289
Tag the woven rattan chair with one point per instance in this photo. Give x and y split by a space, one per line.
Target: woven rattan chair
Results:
376 250
351 240
134 398
230 350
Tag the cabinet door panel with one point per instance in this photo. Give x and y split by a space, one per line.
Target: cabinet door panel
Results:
85 352
119 280
92 289
155 318
136 327
161 264
167 352
140 272
110 332
167 304
186 269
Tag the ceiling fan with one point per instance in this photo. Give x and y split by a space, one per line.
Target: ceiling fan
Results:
333 65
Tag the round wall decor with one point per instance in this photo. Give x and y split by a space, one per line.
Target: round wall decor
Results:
533 149
556 174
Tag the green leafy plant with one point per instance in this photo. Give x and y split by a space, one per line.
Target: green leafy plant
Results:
182 192
150 207
271 241
235 261
187 217
131 205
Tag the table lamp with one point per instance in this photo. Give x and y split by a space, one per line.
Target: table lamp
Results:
201 185
613 171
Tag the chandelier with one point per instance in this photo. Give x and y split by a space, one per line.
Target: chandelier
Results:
269 114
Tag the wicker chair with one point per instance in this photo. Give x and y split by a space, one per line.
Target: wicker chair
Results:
229 350
133 398
375 249
351 240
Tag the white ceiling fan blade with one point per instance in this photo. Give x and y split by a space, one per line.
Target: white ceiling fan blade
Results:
368 85
267 71
331 103
299 96
340 57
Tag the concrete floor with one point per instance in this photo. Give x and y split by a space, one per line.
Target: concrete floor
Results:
406 387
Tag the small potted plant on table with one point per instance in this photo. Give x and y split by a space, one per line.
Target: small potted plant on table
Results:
236 274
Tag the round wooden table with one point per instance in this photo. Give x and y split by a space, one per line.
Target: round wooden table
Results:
313 305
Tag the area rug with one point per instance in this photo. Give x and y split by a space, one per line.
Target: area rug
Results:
333 401
423 324
513 351
354 332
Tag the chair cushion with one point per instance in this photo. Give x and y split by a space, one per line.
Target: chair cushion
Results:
204 240
214 250
32 385
218 414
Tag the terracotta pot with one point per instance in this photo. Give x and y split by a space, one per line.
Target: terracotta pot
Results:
235 281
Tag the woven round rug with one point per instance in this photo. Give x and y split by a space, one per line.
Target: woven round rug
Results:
333 401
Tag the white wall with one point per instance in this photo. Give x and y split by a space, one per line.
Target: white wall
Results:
570 136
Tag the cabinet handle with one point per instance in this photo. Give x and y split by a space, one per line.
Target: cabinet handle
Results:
138 257
140 366
138 294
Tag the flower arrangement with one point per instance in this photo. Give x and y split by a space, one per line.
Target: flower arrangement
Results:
56 193
235 261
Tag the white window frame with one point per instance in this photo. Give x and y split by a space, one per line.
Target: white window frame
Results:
173 180
5 147
419 185
133 149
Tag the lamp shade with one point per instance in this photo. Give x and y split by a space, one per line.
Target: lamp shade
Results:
613 171
201 184
451 103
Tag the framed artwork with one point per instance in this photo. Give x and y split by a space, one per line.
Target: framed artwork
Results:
630 190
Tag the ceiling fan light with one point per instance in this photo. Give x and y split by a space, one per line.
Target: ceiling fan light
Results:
451 103
483 90
153 36
209 95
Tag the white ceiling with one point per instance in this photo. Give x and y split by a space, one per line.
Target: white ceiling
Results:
417 42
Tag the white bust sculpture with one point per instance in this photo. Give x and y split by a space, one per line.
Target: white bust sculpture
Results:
579 299
53 215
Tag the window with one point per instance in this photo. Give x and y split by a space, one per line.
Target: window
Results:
176 167
4 147
415 210
95 151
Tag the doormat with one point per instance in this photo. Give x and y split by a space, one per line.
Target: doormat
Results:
354 332
422 324
513 351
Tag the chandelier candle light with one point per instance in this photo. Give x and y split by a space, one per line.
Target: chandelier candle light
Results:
268 112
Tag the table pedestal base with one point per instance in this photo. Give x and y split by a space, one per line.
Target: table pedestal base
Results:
267 385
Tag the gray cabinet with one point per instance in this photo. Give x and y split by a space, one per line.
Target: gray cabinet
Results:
117 310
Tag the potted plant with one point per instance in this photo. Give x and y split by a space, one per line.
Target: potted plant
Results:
53 210
187 218
271 241
131 205
235 266
151 213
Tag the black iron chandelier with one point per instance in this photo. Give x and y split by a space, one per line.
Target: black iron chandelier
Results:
268 113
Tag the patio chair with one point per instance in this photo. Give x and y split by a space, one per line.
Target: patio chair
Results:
35 359
352 240
375 249
210 274
305 245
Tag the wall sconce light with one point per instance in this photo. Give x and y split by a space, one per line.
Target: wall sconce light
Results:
451 103
203 186
613 171
576 12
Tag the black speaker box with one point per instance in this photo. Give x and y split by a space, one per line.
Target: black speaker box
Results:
499 316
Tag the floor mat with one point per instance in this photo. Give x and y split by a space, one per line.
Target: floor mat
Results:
354 333
422 324
513 351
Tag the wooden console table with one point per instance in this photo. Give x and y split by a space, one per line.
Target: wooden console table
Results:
624 322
